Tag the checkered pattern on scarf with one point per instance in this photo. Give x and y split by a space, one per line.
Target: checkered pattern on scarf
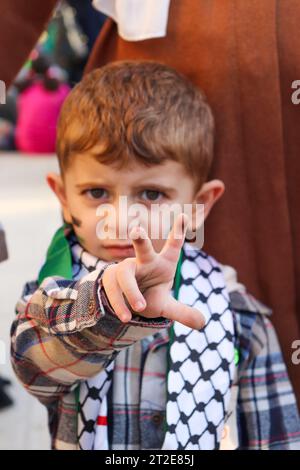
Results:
201 362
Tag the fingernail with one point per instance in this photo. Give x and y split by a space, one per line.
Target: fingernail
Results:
134 234
139 305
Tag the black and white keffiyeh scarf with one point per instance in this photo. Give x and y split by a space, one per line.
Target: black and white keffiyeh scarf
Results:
201 363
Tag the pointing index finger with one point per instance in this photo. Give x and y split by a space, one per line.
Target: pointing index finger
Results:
176 237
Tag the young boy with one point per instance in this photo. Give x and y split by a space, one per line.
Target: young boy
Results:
133 341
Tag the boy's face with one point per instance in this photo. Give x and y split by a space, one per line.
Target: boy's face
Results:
133 195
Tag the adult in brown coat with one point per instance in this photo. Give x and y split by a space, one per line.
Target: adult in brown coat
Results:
245 55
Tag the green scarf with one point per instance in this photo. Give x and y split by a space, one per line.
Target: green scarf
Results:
58 259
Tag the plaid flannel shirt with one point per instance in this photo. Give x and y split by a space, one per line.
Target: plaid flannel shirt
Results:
66 332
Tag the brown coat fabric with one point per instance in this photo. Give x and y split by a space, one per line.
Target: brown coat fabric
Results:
245 55
21 24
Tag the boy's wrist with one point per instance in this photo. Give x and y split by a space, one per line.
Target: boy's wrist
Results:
102 296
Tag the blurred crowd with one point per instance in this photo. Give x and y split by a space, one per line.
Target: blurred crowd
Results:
28 119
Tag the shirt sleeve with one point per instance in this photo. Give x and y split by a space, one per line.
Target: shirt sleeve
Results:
268 414
66 331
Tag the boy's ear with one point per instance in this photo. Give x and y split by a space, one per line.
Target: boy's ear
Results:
56 183
206 198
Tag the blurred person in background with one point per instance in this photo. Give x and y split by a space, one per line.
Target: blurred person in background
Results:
6 135
5 399
38 105
8 117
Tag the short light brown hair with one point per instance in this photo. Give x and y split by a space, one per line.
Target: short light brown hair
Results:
139 110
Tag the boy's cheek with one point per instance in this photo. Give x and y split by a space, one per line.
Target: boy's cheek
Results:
84 226
87 238
76 221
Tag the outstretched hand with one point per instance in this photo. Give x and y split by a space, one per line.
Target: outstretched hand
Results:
143 284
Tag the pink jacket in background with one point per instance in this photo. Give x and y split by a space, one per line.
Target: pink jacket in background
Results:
38 111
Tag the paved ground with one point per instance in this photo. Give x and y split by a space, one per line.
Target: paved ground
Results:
30 214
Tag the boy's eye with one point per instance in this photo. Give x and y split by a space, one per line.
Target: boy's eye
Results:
96 193
151 195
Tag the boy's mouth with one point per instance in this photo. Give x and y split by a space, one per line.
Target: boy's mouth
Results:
121 250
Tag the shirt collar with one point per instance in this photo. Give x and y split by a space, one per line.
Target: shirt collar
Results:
80 256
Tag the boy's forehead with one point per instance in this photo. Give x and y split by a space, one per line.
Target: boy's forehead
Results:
87 167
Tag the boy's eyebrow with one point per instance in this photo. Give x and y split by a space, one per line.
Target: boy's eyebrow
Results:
157 187
92 184
154 186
